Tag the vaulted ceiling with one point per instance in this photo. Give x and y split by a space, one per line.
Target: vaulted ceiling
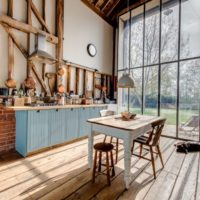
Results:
110 9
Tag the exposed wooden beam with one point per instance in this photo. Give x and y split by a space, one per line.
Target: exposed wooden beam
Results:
17 43
113 7
94 83
77 80
10 8
84 81
27 28
29 21
10 57
97 11
59 28
39 78
10 83
44 17
95 2
104 5
68 78
39 17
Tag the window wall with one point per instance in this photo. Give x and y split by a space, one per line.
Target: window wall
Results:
159 45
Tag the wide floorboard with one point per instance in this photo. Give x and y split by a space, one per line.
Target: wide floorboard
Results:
62 173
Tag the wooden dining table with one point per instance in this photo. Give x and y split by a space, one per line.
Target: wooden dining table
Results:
125 130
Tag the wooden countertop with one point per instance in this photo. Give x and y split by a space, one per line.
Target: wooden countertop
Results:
18 108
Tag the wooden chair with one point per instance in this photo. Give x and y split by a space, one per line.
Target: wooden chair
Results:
104 113
107 149
151 139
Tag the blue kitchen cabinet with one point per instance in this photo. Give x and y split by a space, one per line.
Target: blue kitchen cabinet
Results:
71 123
57 131
37 130
94 112
84 115
21 132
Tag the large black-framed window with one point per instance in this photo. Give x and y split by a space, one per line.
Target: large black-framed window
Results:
160 39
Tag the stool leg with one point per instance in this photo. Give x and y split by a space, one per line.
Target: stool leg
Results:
112 164
94 167
107 168
104 138
117 147
111 138
99 167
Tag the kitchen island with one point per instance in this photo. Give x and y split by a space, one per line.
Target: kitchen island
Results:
42 127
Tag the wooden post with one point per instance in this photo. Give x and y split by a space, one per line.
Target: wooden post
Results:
44 17
68 78
77 80
59 28
17 43
94 83
10 83
29 20
39 78
84 81
27 28
39 17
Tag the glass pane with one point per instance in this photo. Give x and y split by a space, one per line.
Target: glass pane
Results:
151 51
137 37
189 99
168 97
190 28
122 97
136 93
123 48
150 90
169 34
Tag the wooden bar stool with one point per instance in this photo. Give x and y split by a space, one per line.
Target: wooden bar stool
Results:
105 113
107 149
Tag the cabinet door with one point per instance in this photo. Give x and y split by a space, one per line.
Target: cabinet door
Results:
94 112
37 130
84 125
57 122
72 124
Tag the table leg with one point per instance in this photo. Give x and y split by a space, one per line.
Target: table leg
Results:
90 147
127 161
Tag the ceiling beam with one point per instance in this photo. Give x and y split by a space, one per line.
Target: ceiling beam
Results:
113 7
97 11
26 28
104 4
95 2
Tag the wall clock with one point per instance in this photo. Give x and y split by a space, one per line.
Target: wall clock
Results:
91 49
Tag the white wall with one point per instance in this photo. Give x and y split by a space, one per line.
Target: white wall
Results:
81 27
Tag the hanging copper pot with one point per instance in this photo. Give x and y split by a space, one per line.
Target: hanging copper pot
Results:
30 83
61 88
10 83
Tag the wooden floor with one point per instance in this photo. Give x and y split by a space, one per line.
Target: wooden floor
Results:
62 173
